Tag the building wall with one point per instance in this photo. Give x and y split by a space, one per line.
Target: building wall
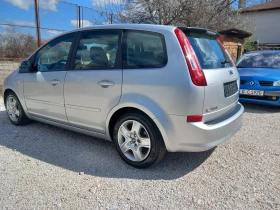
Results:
231 44
267 25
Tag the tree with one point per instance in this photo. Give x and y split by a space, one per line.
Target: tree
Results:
109 11
212 14
15 44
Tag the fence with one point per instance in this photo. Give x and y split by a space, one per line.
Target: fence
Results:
44 19
7 66
264 47
27 24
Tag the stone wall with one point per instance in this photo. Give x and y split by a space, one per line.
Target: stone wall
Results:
6 67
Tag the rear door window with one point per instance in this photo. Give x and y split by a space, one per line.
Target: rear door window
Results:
144 50
209 52
97 50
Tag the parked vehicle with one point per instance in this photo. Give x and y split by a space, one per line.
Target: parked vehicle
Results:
260 77
148 88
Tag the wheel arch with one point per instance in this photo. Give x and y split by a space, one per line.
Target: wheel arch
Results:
120 110
6 92
19 96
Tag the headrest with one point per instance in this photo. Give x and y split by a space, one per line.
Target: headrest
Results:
98 56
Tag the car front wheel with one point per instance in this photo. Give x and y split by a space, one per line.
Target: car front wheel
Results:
15 111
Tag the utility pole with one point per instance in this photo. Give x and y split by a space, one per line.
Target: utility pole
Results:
37 21
79 17
111 18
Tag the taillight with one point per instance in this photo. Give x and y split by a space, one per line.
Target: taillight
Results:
195 70
194 118
221 44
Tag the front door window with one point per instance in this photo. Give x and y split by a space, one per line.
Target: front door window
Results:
54 56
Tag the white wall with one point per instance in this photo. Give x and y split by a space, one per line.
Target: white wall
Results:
267 25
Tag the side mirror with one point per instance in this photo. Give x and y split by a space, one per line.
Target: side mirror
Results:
42 68
25 66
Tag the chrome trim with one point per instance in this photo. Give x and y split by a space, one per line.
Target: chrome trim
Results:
82 108
44 102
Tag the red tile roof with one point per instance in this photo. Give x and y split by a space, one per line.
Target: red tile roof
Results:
271 5
44 41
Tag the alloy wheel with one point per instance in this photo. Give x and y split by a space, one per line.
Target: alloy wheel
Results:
134 140
13 108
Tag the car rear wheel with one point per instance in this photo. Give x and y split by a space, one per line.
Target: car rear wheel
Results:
15 111
138 140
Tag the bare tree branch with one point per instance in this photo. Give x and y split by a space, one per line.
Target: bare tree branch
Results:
213 14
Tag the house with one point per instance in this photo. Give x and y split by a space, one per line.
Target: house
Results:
266 18
233 40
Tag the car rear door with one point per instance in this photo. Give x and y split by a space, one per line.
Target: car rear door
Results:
221 91
43 87
93 83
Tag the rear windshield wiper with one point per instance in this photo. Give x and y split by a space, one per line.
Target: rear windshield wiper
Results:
224 62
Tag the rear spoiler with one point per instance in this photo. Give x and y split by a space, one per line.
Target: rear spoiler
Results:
200 31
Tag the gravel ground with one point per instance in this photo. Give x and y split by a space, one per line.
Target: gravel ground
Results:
44 167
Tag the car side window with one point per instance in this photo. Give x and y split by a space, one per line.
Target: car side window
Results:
53 56
144 50
97 50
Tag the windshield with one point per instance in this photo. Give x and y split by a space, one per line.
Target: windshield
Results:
259 60
208 51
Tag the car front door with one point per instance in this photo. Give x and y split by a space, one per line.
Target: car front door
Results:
93 83
43 87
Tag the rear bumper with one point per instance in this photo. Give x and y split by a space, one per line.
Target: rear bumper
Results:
196 137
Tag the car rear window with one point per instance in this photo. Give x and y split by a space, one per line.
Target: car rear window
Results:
259 60
208 51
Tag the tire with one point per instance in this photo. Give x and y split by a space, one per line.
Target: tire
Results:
134 147
15 111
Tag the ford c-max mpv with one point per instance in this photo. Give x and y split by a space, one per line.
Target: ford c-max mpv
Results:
148 88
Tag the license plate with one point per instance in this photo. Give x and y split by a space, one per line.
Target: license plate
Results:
251 92
230 88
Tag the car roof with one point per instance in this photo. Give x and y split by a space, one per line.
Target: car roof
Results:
149 27
263 51
146 27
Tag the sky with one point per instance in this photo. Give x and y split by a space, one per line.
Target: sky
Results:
53 15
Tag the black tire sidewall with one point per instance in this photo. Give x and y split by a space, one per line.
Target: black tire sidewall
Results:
153 134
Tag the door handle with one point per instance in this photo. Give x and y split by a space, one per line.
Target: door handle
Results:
54 82
106 83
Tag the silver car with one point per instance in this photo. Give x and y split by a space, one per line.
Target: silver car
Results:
148 88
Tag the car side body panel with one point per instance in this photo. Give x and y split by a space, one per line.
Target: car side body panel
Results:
87 105
44 99
14 82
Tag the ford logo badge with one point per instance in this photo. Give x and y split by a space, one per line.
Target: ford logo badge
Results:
230 72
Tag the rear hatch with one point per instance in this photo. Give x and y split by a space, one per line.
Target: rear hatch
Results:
222 78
